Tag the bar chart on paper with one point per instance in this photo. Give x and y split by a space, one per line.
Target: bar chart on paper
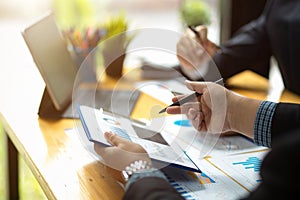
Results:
186 182
244 168
251 163
209 184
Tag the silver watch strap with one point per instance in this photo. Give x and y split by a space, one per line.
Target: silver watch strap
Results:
146 173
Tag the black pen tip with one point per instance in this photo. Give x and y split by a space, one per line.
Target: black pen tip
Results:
163 110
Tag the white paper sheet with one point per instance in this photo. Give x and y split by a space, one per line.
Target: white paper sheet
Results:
210 184
244 168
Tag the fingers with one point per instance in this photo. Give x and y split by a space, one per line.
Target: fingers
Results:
178 97
173 110
194 116
202 30
196 86
201 35
114 139
193 111
192 53
188 51
208 45
184 108
122 143
180 109
197 118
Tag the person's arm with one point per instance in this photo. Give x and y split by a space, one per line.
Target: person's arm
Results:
249 49
273 120
279 170
141 180
263 123
218 110
286 117
151 188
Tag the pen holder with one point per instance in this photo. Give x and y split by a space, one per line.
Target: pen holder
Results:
86 62
113 64
114 53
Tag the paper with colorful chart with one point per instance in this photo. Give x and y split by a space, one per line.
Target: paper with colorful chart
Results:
211 183
243 168
229 164
95 122
200 144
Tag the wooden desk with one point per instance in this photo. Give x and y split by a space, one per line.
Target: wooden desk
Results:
255 86
63 168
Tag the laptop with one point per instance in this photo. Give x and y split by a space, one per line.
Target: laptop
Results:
59 72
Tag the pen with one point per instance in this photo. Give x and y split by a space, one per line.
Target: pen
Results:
199 36
195 32
186 99
182 101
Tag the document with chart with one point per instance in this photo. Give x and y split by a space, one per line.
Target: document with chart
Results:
95 122
243 168
211 183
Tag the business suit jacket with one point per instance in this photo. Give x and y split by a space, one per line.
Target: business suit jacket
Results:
276 32
280 170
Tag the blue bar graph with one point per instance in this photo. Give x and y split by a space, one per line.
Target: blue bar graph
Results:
185 194
251 163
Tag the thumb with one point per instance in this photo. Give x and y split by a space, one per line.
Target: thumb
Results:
196 86
114 139
202 30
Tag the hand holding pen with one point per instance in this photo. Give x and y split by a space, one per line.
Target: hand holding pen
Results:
194 52
209 112
201 37
188 98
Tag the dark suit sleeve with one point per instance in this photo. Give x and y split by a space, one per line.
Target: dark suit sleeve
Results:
280 169
285 118
151 188
248 49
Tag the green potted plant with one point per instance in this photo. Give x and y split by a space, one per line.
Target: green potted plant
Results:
115 44
194 13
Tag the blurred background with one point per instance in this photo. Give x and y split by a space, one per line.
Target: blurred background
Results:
225 17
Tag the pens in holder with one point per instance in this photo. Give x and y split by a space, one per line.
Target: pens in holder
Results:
84 39
186 99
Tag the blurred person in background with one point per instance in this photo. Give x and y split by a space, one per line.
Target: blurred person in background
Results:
275 33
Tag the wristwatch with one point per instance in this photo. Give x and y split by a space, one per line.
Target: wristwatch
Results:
135 167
